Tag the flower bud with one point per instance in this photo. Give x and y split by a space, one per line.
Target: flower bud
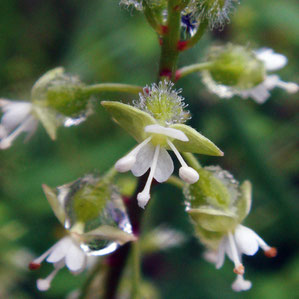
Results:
235 66
61 92
215 12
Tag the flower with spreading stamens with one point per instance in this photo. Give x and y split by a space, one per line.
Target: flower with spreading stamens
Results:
237 70
156 122
56 99
96 224
217 206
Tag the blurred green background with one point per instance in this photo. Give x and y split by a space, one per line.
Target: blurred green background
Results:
101 42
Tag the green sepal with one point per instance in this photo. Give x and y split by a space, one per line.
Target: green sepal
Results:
48 118
89 202
197 143
131 119
107 232
42 82
212 219
53 200
208 238
244 200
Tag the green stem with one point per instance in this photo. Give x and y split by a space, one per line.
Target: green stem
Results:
169 51
87 284
175 181
151 19
113 87
135 270
189 69
191 160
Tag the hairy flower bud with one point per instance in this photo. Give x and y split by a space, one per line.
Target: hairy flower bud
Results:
61 92
215 12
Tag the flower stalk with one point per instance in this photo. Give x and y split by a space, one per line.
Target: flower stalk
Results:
112 87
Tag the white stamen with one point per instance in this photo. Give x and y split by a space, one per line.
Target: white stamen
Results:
177 153
186 173
144 196
45 284
6 142
40 259
290 87
240 284
234 250
262 243
127 162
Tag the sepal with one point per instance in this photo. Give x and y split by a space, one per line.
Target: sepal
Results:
131 119
197 143
61 92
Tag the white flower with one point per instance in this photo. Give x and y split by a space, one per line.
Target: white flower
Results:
17 118
65 252
260 93
154 156
242 241
272 61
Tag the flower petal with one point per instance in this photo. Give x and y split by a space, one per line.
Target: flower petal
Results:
221 253
164 167
259 93
60 250
14 114
170 132
273 61
246 240
75 259
143 160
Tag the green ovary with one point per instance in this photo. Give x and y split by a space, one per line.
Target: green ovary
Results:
162 108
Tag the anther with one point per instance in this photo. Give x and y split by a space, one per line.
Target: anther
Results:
271 252
239 269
